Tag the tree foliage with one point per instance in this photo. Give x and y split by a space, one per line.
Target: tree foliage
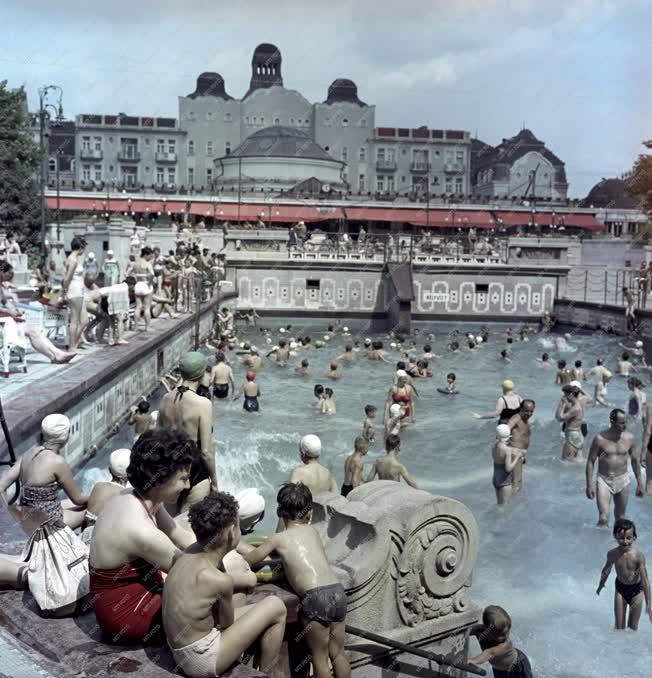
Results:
639 183
20 160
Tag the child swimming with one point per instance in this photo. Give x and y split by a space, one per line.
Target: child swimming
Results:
451 385
632 583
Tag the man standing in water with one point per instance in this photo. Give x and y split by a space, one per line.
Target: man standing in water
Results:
571 413
311 473
183 410
611 449
389 467
519 425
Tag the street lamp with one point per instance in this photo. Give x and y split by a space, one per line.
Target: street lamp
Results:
44 106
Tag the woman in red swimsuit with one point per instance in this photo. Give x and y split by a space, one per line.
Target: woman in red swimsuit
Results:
135 539
403 394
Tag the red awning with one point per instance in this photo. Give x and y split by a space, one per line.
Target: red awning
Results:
267 212
587 221
453 219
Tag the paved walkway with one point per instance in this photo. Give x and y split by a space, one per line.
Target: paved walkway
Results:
16 659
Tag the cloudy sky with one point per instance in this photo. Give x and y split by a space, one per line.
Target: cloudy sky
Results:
576 72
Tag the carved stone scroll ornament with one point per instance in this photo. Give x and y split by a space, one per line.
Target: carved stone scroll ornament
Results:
434 570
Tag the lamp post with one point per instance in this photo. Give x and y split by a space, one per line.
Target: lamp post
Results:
44 105
57 158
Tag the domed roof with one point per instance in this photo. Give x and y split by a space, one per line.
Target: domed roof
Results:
280 142
343 89
610 193
210 85
268 50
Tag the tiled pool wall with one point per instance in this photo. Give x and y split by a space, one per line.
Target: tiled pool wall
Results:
99 412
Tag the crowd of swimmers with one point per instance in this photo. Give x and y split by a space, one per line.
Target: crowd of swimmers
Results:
166 556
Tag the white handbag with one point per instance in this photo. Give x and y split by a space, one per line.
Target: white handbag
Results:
57 572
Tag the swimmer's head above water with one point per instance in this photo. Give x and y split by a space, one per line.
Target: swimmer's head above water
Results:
310 446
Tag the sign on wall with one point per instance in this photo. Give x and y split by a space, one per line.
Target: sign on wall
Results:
436 297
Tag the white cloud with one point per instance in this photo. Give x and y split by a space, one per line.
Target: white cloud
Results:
437 71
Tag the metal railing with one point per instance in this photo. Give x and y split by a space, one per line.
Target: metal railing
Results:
600 286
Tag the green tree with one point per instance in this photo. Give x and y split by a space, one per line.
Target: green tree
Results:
20 199
639 182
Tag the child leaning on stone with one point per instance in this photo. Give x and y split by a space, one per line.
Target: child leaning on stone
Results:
323 599
497 649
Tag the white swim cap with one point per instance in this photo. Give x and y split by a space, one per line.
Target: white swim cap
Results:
576 384
250 504
282 330
118 462
392 345
567 335
242 344
55 428
367 340
345 329
91 255
395 410
293 344
268 340
327 337
479 340
401 374
503 431
639 344
310 446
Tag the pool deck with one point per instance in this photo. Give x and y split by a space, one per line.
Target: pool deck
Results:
47 388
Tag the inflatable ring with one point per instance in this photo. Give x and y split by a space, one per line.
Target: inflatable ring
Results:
266 574
447 392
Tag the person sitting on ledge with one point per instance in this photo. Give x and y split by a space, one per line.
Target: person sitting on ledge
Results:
198 593
43 473
135 540
103 491
182 409
11 318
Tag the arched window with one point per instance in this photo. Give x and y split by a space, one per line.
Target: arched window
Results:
52 165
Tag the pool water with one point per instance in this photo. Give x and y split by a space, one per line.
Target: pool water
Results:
540 557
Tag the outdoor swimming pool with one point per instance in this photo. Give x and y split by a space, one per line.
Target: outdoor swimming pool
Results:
540 557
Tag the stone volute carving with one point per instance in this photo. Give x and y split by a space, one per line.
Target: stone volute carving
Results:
406 559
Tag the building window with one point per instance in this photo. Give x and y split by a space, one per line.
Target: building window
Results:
345 153
390 184
160 175
363 122
362 156
227 117
209 176
191 115
380 184
277 121
380 155
402 180
227 148
291 121
191 176
459 156
345 122
146 141
253 120
172 146
52 167
449 155
160 145
458 186
86 143
209 148
97 143
191 147
98 172
437 154
435 181
172 176
361 183
209 115
247 120
449 187
391 154
262 122
86 172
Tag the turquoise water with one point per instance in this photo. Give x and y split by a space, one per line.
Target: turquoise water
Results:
540 557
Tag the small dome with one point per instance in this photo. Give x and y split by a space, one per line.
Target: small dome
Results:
266 49
610 193
343 89
210 85
280 142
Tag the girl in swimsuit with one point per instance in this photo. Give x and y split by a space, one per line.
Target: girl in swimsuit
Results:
505 458
72 291
143 290
251 392
402 394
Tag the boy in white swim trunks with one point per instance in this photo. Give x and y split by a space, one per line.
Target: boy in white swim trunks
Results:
197 593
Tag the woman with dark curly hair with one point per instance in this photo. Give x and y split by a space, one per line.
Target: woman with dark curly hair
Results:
135 540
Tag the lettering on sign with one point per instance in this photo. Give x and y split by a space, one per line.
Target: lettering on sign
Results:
437 297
